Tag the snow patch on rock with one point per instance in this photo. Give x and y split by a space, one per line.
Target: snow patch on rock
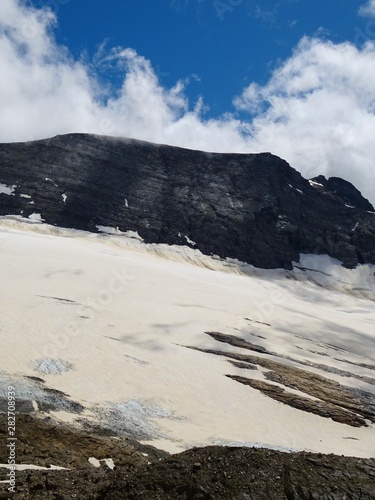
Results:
9 190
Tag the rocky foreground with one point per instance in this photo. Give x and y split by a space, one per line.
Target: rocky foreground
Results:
142 472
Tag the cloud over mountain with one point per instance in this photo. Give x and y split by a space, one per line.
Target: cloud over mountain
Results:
316 110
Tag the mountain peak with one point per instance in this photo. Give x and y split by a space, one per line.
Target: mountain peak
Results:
346 191
252 207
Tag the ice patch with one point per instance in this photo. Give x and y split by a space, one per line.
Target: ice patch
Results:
135 419
52 366
32 393
328 272
136 408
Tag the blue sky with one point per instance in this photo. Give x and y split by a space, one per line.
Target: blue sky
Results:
292 77
219 46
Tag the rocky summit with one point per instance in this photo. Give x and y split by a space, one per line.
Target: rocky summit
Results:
252 207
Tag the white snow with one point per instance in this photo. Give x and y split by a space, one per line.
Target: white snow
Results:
296 189
50 180
191 242
314 183
30 467
120 300
9 190
64 198
96 463
25 196
329 273
22 220
109 463
349 206
126 203
36 217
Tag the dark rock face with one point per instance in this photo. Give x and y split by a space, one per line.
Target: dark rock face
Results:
253 207
346 191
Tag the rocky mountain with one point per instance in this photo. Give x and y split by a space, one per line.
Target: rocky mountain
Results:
345 190
253 207
156 372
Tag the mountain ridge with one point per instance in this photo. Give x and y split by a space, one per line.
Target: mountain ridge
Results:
252 207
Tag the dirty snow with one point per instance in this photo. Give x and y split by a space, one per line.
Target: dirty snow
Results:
100 301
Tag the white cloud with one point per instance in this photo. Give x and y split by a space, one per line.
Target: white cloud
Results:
44 91
316 111
368 9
